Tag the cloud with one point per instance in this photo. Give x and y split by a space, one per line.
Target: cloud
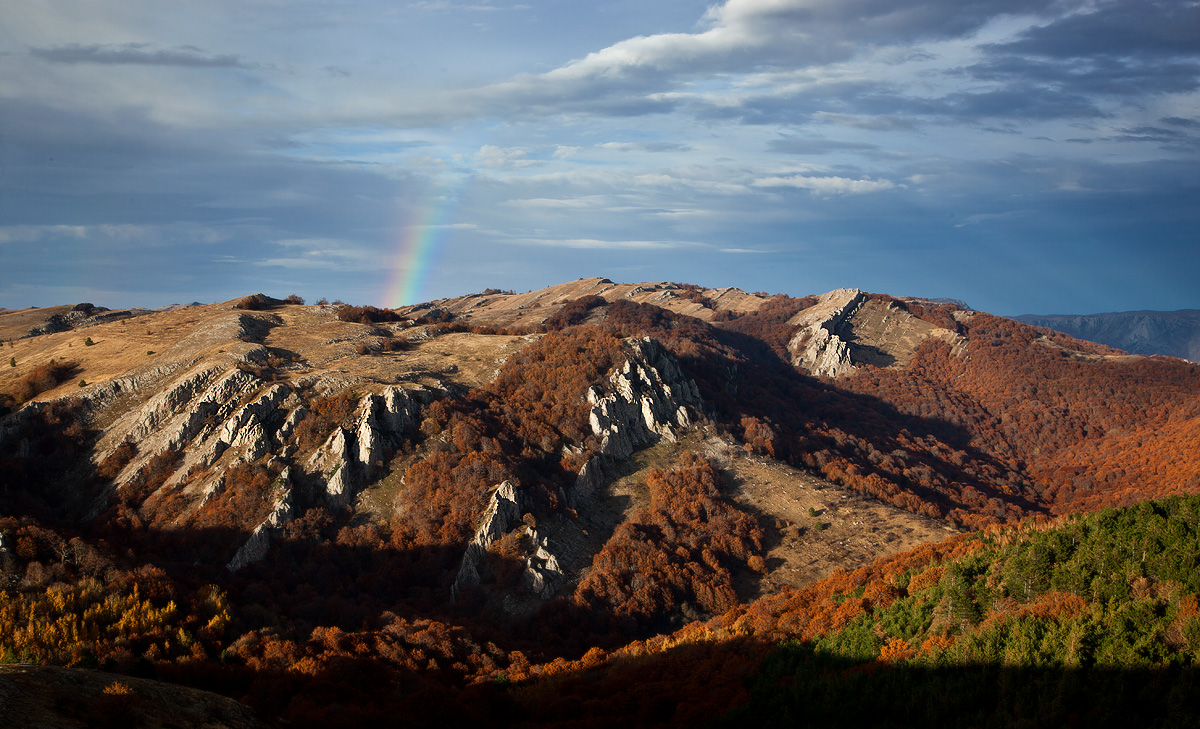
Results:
827 185
985 217
1181 122
330 254
877 123
137 54
647 146
490 155
1120 28
648 74
747 35
1091 76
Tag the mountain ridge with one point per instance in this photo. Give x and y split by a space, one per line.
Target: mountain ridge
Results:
1170 333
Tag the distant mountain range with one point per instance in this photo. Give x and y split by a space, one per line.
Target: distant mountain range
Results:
1173 333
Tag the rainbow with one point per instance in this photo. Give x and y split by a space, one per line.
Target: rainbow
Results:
420 245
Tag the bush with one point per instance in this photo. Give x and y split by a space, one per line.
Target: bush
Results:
294 299
46 377
366 314
255 302
572 313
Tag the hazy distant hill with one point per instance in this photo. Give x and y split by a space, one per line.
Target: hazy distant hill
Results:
1174 333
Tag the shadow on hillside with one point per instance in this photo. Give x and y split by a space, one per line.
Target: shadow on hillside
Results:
799 686
735 682
811 410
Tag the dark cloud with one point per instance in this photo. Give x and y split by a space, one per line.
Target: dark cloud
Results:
1181 122
126 203
1144 28
1101 75
1168 139
137 54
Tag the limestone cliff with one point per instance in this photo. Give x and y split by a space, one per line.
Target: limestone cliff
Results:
646 399
502 514
816 347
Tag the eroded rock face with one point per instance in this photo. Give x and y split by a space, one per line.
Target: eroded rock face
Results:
501 516
265 534
649 397
588 481
543 575
349 459
816 346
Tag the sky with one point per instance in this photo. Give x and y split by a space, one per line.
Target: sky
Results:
1025 156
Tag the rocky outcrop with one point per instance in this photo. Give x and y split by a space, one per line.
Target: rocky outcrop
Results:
502 514
816 346
543 575
644 399
648 398
265 534
588 481
351 458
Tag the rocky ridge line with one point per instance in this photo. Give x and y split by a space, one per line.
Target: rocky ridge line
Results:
816 346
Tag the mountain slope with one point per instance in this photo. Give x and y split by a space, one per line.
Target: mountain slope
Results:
1173 333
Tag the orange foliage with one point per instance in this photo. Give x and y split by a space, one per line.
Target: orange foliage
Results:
679 550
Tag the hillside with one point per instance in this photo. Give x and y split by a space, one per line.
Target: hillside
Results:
1173 333
328 512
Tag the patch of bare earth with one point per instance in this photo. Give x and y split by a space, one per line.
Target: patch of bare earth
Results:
884 335
814 526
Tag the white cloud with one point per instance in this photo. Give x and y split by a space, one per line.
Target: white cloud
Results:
827 185
490 155
332 254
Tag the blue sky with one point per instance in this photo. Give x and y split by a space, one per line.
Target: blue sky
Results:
1027 156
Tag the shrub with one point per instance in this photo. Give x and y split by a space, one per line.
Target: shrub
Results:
366 314
572 313
88 342
294 299
254 302
46 377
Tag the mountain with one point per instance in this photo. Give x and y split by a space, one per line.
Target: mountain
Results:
461 510
1173 333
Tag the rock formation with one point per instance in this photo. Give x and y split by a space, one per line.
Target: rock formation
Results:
264 534
502 514
350 458
816 346
649 397
543 575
